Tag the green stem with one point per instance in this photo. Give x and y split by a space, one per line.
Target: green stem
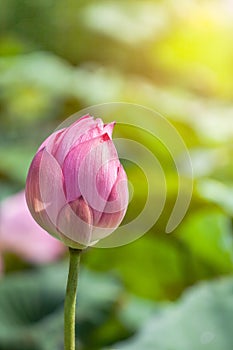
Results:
70 300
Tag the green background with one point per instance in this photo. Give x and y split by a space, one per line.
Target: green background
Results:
165 292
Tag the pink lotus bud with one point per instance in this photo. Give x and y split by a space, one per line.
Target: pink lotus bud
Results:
76 187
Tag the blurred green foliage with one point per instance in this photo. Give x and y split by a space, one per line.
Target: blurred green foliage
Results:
57 57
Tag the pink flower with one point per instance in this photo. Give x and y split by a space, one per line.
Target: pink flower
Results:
21 235
76 187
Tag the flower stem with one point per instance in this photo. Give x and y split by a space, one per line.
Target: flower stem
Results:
70 300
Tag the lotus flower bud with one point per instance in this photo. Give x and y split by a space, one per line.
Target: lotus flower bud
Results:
76 188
